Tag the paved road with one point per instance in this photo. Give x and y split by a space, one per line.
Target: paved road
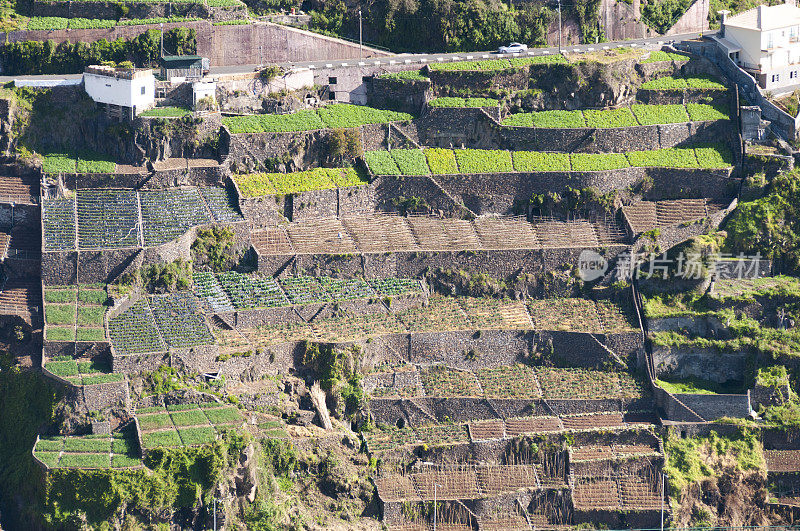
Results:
400 59
422 59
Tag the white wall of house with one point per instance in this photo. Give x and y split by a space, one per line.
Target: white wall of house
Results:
750 42
202 90
137 93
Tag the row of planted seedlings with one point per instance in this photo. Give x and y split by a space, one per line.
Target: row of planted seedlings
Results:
232 290
75 312
441 161
183 425
110 218
117 450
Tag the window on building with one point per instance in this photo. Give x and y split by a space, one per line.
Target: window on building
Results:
775 78
331 95
331 81
144 89
793 74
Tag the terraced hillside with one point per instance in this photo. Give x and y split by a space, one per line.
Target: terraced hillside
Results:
441 308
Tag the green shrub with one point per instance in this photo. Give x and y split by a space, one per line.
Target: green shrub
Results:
531 161
483 161
441 161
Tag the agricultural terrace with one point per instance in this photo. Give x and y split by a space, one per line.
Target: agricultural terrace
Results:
110 218
439 161
524 382
388 438
493 65
448 101
182 425
231 290
80 372
61 23
679 83
157 322
441 314
75 313
118 450
632 116
333 116
389 233
55 163
261 184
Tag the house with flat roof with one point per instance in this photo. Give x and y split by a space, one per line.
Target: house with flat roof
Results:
765 41
125 93
184 67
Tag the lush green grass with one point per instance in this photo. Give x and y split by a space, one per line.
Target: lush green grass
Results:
305 120
196 436
103 379
158 439
167 112
608 118
90 315
62 368
688 386
598 161
553 119
91 334
405 75
660 114
85 461
381 163
714 157
189 418
83 444
411 161
539 161
463 102
261 184
484 161
670 83
341 115
156 421
441 161
226 415
704 82
59 295
58 333
660 55
702 112
92 296
664 158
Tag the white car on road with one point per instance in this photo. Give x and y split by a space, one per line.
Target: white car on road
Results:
514 47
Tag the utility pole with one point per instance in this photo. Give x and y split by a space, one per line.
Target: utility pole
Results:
361 34
215 514
559 26
663 483
162 40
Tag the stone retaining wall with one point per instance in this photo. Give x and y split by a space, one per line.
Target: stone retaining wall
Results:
697 362
412 264
269 211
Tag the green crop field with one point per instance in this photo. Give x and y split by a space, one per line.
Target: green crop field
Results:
341 115
405 75
598 161
167 112
658 56
463 102
484 161
622 117
664 158
411 161
702 112
539 161
441 161
261 184
381 163
554 119
660 114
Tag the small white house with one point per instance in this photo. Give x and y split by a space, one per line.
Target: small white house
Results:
203 90
765 41
124 92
